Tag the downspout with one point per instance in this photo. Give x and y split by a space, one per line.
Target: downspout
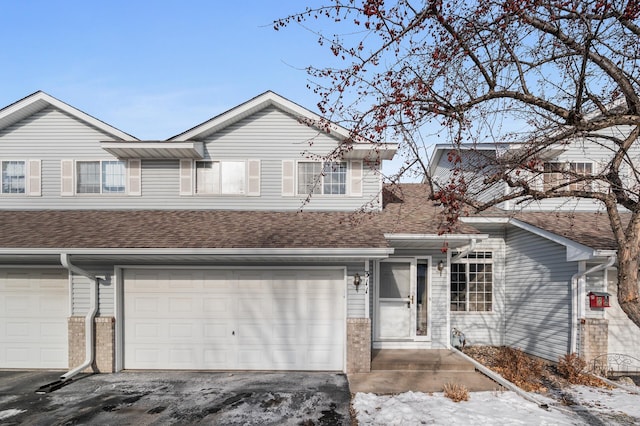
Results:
465 251
577 298
89 318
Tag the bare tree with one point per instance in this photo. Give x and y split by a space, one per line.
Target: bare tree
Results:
543 73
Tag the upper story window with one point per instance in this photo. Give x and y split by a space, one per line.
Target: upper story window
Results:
322 178
221 177
472 283
557 173
100 177
14 177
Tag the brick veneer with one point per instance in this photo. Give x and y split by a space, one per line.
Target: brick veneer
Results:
104 361
594 338
358 345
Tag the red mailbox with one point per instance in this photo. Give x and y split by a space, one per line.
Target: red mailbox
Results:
598 300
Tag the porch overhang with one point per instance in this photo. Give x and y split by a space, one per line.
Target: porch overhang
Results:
154 150
432 241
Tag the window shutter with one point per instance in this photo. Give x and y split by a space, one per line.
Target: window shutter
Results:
135 177
34 171
288 178
355 179
66 177
253 187
186 177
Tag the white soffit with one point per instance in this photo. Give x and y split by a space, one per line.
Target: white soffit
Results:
154 149
432 241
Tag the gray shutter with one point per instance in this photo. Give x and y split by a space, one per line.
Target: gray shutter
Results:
253 187
186 177
135 177
66 177
288 178
34 171
355 178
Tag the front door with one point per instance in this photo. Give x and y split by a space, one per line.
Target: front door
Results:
403 300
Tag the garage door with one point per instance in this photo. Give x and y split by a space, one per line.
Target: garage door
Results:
34 306
234 319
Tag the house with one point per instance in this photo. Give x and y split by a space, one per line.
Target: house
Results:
559 255
261 239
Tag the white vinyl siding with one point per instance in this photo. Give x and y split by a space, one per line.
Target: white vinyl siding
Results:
271 136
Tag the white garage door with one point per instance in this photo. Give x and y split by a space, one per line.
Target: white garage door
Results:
34 306
234 319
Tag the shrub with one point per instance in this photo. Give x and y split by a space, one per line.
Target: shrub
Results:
571 367
456 392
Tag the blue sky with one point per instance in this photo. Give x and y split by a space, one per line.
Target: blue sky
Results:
154 69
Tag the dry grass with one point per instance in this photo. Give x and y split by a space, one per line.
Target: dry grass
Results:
456 392
572 368
532 374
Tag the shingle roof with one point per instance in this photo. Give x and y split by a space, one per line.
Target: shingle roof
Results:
407 210
591 229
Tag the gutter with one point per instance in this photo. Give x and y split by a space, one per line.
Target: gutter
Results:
577 297
88 320
465 251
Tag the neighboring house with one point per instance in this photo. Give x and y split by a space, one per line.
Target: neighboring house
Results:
557 252
204 251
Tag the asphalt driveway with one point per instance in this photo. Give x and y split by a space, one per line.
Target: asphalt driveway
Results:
159 398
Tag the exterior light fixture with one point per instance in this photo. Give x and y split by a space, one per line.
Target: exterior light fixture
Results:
356 280
440 266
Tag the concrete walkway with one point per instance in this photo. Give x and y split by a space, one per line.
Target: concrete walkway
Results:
399 370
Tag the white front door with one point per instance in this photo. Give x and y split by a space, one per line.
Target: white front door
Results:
403 299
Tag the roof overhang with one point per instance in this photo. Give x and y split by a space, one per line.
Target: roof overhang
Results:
154 150
370 151
189 255
432 241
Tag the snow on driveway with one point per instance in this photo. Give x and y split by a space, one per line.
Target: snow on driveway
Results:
497 408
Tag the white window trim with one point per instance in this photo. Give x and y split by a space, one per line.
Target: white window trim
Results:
248 178
347 189
467 261
26 178
568 163
99 194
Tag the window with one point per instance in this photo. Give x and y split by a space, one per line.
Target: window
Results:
96 177
13 177
221 177
472 283
556 174
322 178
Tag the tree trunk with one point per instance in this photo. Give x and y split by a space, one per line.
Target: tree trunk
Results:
628 263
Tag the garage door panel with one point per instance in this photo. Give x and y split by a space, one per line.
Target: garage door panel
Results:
34 309
239 320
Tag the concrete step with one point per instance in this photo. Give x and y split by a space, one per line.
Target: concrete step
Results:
432 360
398 381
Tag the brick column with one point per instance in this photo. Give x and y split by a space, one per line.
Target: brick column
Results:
358 345
594 338
104 361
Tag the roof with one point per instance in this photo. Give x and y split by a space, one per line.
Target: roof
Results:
40 100
407 210
384 151
591 229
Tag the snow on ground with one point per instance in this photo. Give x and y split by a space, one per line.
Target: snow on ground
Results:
497 408
5 414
